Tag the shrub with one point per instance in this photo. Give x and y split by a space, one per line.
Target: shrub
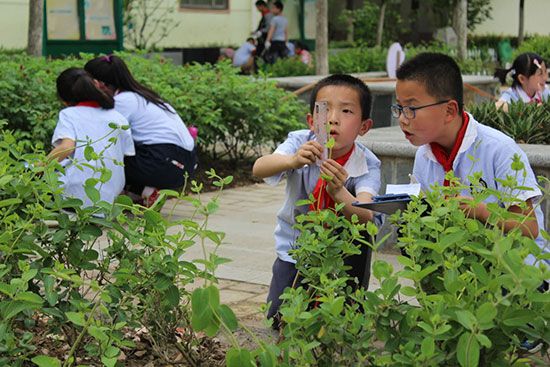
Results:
471 300
83 288
235 115
289 66
358 60
525 123
537 44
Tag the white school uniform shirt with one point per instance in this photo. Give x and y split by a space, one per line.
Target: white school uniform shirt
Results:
517 94
151 124
363 170
84 124
492 151
243 53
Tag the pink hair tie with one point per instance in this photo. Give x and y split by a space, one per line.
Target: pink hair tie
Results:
537 63
107 58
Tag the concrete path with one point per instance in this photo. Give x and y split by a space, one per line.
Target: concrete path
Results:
247 216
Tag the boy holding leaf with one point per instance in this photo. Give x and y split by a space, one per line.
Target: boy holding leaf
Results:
351 173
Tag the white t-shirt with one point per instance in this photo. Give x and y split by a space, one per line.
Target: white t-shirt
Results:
151 124
90 124
243 53
492 151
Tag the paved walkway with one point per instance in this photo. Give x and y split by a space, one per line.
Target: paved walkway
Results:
247 216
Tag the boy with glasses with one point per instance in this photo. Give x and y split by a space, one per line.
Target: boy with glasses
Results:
429 95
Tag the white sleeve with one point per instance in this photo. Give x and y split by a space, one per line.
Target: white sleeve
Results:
126 141
65 128
126 104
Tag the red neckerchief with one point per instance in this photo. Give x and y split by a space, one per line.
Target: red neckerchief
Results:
88 104
441 155
264 12
320 192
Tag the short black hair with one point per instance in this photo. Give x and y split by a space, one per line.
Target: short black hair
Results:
279 5
260 3
75 85
439 74
345 80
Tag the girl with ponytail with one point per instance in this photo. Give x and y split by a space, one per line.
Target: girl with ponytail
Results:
164 146
89 119
529 75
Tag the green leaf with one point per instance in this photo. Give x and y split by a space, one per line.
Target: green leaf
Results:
486 313
467 319
238 358
98 333
381 269
76 318
228 317
427 347
92 193
29 297
467 350
45 361
49 292
10 201
13 308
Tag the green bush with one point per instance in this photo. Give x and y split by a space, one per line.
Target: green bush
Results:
289 66
358 60
525 123
470 299
83 287
537 44
235 115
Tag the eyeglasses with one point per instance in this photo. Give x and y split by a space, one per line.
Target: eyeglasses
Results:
410 112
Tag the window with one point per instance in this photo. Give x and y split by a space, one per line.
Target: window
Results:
205 4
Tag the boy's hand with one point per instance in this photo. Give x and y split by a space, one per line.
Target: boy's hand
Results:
307 154
339 176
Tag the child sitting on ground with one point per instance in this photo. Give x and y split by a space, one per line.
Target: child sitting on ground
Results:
86 120
529 75
244 56
355 173
429 95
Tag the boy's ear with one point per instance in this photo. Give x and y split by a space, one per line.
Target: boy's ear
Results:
309 119
365 126
452 110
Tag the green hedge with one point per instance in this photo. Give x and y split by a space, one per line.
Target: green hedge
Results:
537 44
363 59
235 115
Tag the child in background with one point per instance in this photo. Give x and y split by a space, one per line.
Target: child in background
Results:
244 56
429 95
529 75
355 171
164 145
86 120
303 53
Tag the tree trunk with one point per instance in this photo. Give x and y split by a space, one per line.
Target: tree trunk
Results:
36 19
321 38
521 21
461 27
349 20
380 27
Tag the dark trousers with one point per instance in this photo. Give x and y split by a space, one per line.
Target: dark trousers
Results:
160 165
278 50
285 272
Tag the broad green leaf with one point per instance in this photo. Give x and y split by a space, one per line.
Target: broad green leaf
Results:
486 313
467 350
45 361
228 317
427 347
76 318
467 319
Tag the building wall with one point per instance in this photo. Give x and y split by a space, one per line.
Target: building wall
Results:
506 18
14 19
195 28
